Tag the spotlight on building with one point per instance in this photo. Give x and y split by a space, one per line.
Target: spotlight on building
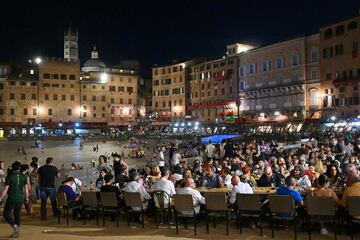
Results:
183 124
38 60
176 124
103 78
40 125
358 116
333 118
189 124
196 128
196 123
60 124
277 113
77 124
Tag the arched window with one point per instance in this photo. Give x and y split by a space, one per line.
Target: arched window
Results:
340 30
328 33
352 25
314 95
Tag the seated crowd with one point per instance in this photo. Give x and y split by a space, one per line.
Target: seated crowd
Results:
238 167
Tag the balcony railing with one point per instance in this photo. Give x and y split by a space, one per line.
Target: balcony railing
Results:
278 84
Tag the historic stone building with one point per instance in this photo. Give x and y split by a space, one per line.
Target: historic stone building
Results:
213 90
273 78
340 68
169 97
108 94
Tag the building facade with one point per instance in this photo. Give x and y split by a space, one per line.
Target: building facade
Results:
340 68
272 80
213 90
169 95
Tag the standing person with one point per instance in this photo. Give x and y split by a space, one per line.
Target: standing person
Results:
2 173
210 151
97 147
15 187
24 169
24 152
161 158
47 175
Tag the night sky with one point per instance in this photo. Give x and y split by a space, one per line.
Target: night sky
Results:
154 31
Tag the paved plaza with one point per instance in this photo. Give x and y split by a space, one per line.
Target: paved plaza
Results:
65 151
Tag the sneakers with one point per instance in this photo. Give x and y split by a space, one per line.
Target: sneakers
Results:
16 232
323 231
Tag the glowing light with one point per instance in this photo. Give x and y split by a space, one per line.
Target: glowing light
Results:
196 123
189 124
77 124
32 71
232 105
262 114
333 118
358 116
38 60
182 124
60 124
277 113
196 128
176 124
103 78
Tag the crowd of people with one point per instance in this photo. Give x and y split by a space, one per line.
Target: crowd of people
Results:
186 167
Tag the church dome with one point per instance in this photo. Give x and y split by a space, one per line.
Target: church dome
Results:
93 64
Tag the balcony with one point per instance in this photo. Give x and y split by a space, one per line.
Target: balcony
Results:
274 85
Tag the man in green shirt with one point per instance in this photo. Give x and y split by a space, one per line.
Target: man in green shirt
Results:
17 190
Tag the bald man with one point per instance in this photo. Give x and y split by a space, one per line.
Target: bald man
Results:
188 188
239 187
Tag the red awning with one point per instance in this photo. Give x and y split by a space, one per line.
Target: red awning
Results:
210 105
10 124
165 116
220 78
346 81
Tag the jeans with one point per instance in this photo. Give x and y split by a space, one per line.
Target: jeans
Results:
8 208
44 194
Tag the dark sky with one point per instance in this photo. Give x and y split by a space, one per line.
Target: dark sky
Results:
154 31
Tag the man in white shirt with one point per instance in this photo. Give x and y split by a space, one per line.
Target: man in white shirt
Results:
239 187
161 157
164 185
176 158
198 199
210 150
134 186
225 178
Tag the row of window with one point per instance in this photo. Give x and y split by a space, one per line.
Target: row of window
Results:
169 104
214 65
168 70
13 83
103 99
340 30
355 72
121 89
331 101
208 93
165 81
166 92
59 76
266 65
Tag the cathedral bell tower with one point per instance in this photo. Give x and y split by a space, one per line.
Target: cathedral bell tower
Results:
71 49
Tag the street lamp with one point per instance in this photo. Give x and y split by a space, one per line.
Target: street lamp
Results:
38 60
